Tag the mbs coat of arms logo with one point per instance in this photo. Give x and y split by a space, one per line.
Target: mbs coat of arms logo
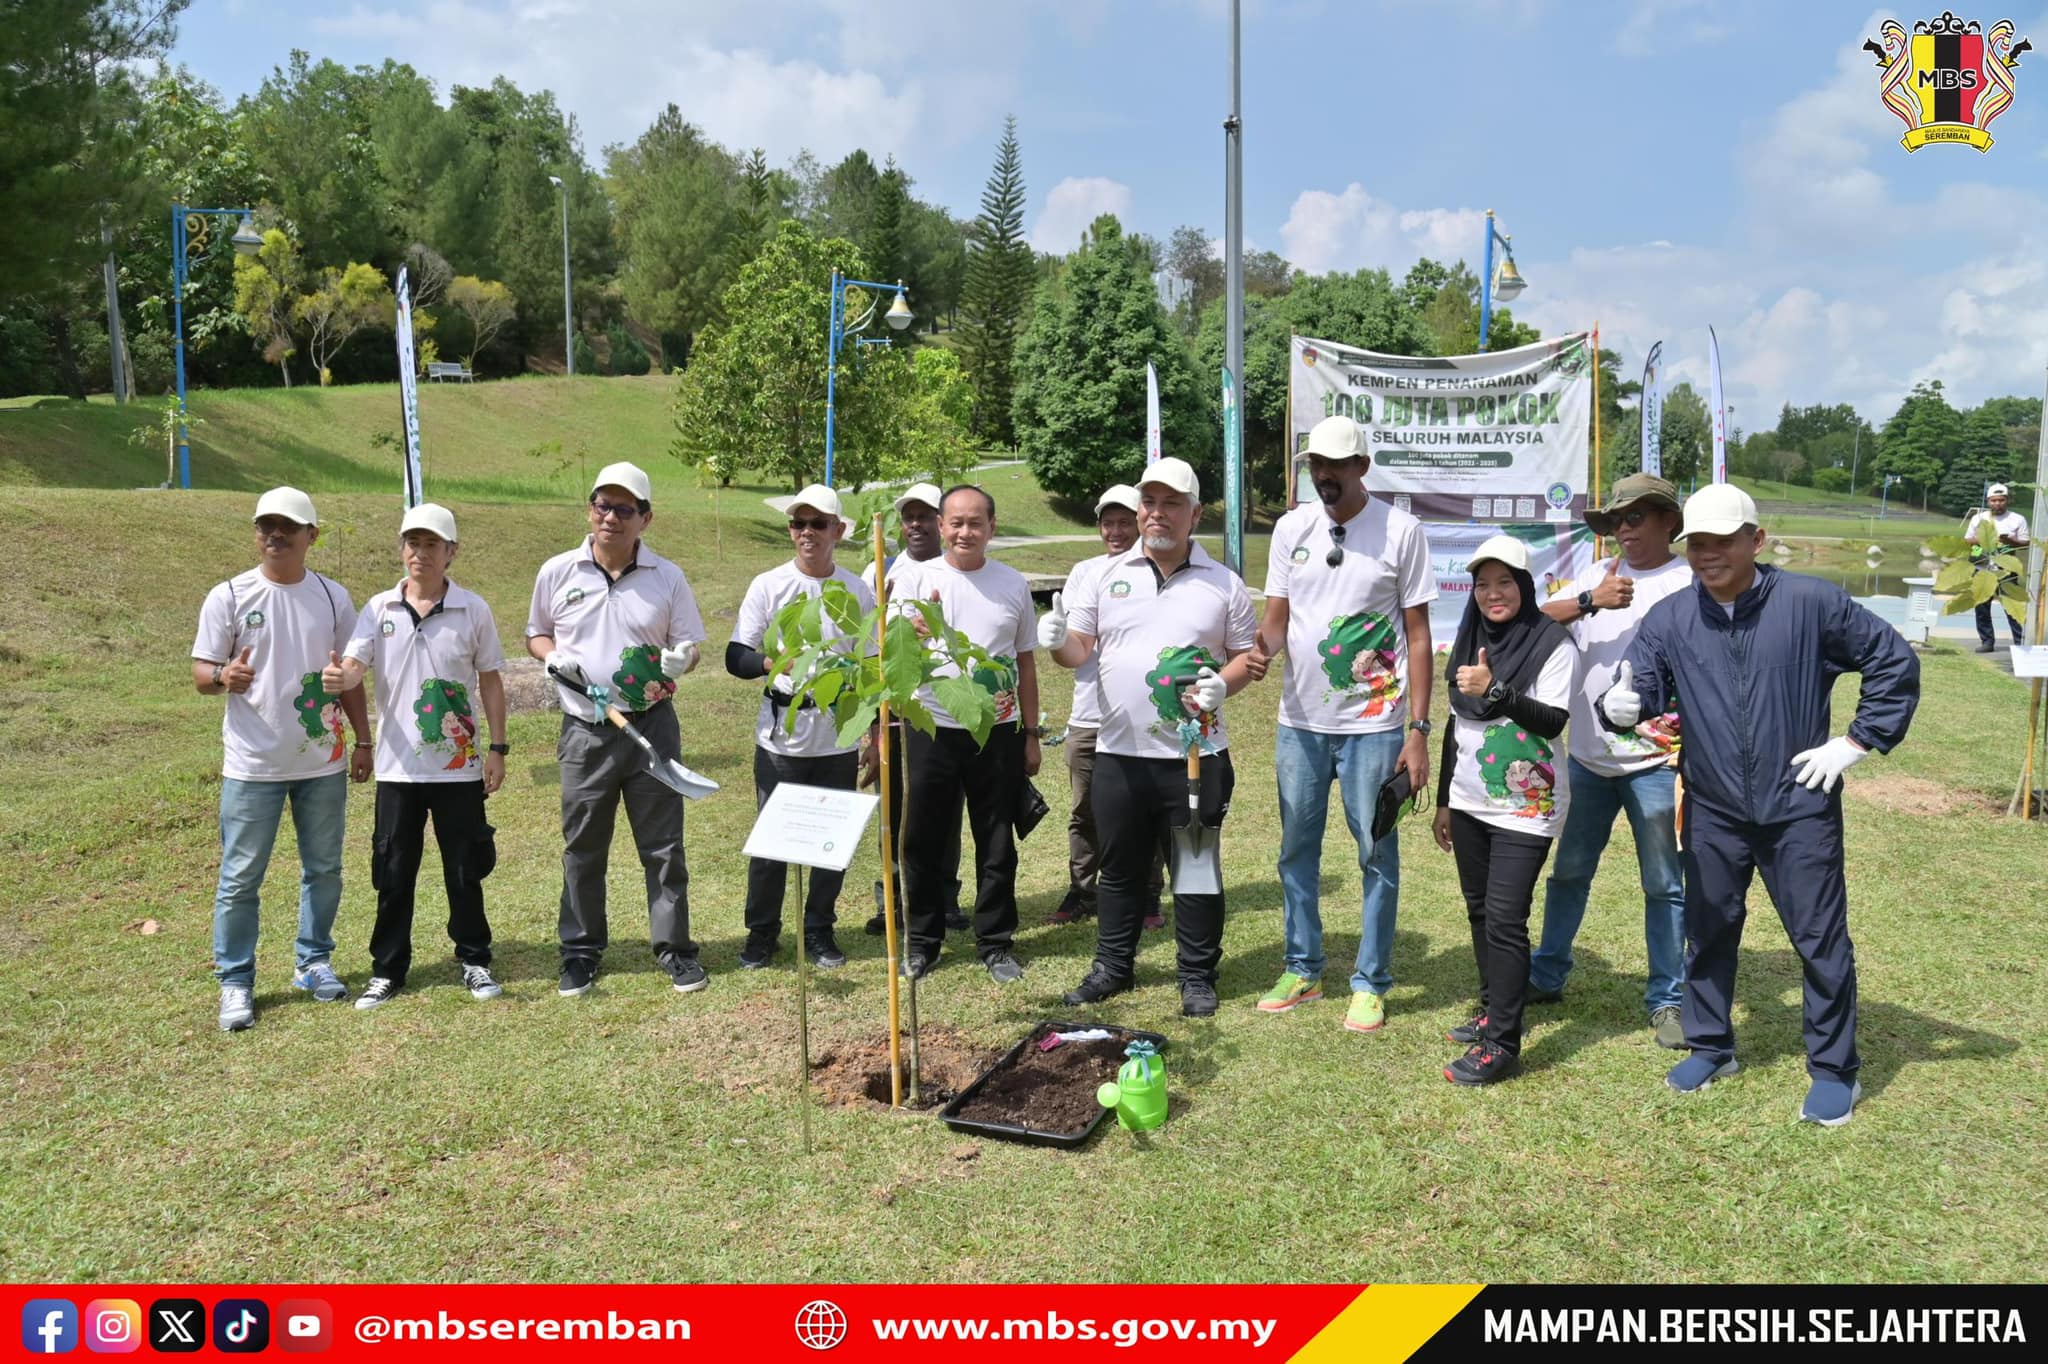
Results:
1947 79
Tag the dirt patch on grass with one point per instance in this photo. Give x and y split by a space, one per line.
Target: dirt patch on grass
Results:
856 1071
527 687
1900 795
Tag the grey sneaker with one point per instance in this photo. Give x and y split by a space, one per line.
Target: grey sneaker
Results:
1004 969
319 978
1670 1032
685 974
478 981
378 991
237 1008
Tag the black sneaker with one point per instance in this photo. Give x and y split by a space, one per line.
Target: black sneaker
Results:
1471 1031
876 928
917 968
1197 999
759 951
824 951
956 921
1003 968
578 975
1485 1064
1536 996
1099 984
685 974
1073 908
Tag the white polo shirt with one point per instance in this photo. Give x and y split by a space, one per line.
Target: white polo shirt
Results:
1508 776
2012 523
285 727
1603 639
816 735
1150 630
614 629
1347 646
991 606
425 671
1086 711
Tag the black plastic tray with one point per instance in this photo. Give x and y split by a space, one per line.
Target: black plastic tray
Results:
950 1114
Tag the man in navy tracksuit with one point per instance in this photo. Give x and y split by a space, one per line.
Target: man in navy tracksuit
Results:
1752 654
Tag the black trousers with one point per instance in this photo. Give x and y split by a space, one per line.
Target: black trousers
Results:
1084 856
468 851
897 762
944 769
1801 861
1497 871
1985 634
1138 803
768 879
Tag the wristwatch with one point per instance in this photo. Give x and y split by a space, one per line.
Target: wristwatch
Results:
1496 693
501 749
1032 731
1586 607
218 669
1423 727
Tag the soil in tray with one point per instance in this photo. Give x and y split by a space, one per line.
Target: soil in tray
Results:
857 1070
1048 1091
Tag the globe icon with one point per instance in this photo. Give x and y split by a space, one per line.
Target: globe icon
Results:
820 1324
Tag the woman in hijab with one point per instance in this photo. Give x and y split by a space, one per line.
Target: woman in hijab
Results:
1501 796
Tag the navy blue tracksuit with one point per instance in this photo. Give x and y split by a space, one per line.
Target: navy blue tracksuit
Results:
1754 690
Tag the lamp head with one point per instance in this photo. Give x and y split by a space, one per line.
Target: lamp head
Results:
1508 282
899 315
555 180
247 240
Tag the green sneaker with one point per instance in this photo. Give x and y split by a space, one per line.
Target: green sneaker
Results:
1368 1012
1290 991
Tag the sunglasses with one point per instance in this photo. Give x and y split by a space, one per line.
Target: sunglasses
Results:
810 523
1336 554
625 511
1635 516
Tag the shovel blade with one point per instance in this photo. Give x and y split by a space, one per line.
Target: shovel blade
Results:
690 785
1195 869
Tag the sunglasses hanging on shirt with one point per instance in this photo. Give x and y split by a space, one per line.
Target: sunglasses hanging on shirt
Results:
1336 554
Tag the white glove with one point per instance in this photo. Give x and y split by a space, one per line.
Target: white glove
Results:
1820 768
782 685
1619 703
679 660
1208 691
1052 626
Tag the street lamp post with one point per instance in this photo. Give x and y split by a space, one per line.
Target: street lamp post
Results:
898 317
247 241
1510 284
568 327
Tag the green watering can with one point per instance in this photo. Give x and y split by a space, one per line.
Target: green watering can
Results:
1138 1094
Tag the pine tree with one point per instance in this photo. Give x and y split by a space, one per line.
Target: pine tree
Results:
998 288
884 245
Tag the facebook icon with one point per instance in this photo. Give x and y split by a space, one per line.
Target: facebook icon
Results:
49 1326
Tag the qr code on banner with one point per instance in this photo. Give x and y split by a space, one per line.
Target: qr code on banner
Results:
1402 502
1482 506
1503 507
1525 509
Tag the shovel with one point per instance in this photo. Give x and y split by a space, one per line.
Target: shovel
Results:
1196 869
670 772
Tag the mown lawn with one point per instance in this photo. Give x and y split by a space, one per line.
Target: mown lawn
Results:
639 1134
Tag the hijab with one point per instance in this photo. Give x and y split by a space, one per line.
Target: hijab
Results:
1516 648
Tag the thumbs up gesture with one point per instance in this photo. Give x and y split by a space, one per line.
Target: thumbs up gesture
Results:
334 678
1257 660
1474 679
1052 626
1614 591
238 674
1619 703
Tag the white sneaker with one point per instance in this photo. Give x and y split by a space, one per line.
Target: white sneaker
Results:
237 1008
477 980
378 991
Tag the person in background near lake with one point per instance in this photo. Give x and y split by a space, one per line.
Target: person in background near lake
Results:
1172 634
1635 771
990 603
264 637
1756 651
434 648
917 514
616 624
2009 529
1348 588
1502 794
1116 521
806 750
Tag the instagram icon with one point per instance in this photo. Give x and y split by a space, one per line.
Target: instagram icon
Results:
113 1326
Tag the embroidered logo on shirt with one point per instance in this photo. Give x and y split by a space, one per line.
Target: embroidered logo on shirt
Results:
1119 588
389 628
1300 555
254 620
572 596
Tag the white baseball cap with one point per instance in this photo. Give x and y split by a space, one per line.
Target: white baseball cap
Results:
1173 473
1502 549
817 497
926 493
430 516
1718 509
631 477
289 503
1998 490
1117 495
1337 437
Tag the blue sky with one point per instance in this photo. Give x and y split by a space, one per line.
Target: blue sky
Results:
1662 165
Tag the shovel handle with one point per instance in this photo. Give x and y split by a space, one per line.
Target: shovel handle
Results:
611 713
1194 773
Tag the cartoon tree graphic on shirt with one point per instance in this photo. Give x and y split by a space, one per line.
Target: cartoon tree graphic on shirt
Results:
445 720
639 684
998 677
1657 735
1169 678
319 714
1358 657
1518 771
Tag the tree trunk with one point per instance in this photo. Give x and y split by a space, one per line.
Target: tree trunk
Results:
284 368
68 373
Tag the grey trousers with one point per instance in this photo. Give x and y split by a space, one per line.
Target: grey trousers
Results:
1084 849
599 766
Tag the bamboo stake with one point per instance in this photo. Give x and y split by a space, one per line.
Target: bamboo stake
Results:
2024 797
803 1016
888 848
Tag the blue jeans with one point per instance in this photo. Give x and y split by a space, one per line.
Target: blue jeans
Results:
1649 798
249 816
1306 762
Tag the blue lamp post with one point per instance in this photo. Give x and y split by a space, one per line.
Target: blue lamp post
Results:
898 317
1510 284
247 241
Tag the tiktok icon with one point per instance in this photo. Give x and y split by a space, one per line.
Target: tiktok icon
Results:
241 1326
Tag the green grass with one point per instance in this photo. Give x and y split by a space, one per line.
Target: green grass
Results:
639 1135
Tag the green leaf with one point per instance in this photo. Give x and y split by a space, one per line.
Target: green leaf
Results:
852 726
842 608
903 661
1983 588
826 689
971 707
1948 545
1954 577
2010 562
914 714
2015 603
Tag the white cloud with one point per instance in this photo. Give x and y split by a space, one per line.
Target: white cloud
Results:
1074 203
1662 25
1353 230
